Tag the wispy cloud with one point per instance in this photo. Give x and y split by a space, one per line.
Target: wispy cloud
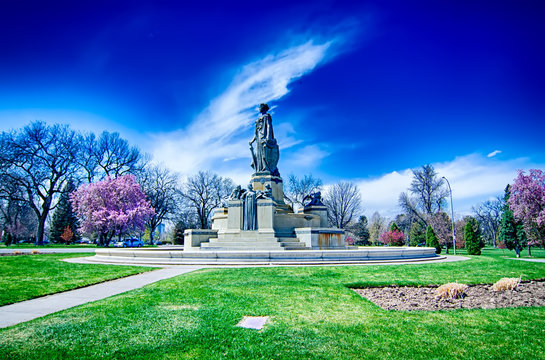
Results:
493 153
474 178
213 139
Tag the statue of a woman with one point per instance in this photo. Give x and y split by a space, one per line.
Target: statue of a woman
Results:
249 209
265 157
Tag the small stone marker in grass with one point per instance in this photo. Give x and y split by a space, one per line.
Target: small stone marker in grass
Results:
253 322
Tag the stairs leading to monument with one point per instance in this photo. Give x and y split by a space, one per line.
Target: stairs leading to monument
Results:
240 244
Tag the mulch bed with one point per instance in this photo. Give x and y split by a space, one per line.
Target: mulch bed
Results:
528 293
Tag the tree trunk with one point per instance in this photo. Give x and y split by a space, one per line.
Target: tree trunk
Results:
100 241
151 234
108 239
41 230
529 250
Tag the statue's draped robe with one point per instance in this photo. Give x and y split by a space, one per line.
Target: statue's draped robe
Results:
249 211
266 156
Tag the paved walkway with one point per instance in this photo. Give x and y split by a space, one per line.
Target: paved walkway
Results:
31 309
531 260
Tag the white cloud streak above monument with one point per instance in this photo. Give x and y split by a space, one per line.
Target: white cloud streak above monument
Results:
215 135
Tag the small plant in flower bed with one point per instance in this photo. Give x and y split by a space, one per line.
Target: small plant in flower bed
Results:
451 291
392 238
504 284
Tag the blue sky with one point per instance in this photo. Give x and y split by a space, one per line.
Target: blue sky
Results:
361 91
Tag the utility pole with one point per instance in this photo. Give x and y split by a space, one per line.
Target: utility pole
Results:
452 216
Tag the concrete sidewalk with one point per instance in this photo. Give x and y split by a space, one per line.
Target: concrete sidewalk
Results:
531 260
31 309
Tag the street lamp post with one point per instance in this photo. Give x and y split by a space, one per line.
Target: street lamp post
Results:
452 214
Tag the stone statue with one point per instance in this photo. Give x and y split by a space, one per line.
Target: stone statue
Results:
266 155
236 194
265 194
313 199
249 209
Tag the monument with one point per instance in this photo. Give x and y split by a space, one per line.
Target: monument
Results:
257 218
255 226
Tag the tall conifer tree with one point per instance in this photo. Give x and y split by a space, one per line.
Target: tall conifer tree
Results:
472 236
178 236
511 231
431 240
64 216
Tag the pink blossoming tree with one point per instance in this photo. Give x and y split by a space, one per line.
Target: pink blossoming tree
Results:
527 200
112 207
392 238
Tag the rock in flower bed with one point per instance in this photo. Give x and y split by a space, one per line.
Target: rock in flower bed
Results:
482 296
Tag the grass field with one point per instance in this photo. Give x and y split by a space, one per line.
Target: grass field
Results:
537 252
25 277
314 315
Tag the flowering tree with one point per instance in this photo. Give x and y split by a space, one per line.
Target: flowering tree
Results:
112 207
392 238
67 235
527 200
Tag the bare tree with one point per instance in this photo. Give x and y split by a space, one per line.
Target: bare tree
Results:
109 155
343 201
426 196
162 190
185 218
298 188
409 206
428 189
442 226
16 217
377 225
205 192
39 159
488 214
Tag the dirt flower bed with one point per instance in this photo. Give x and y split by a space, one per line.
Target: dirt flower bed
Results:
527 293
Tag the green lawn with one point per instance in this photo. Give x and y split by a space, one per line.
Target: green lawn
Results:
314 315
25 277
537 252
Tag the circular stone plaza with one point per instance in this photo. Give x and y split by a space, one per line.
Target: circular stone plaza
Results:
176 256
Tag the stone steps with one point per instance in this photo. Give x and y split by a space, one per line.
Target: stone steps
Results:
285 243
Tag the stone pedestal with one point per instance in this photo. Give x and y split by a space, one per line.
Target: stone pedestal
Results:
321 238
266 208
259 181
234 215
319 210
194 237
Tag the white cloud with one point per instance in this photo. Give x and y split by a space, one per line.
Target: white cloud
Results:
305 159
494 153
381 194
219 135
473 178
